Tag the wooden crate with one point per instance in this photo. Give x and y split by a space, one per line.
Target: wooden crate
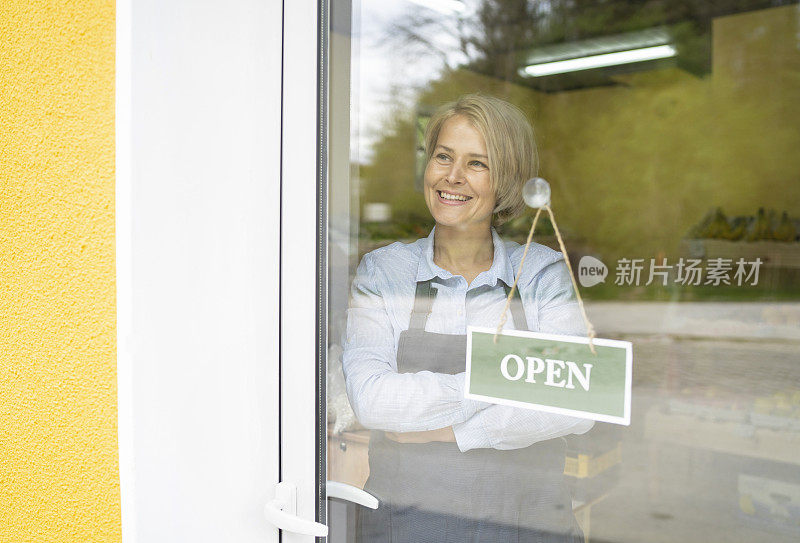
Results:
348 457
583 466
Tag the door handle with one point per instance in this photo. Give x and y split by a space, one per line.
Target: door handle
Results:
350 493
281 511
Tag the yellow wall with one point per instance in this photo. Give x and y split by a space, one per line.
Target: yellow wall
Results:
58 434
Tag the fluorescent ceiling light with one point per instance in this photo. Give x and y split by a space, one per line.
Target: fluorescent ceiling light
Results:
599 61
445 7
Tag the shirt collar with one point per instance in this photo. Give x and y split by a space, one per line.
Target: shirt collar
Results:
501 268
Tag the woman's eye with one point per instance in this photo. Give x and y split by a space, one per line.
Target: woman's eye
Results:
442 157
479 164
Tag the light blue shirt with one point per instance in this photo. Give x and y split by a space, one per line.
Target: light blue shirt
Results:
382 298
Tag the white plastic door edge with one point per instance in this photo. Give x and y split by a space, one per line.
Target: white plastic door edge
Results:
299 259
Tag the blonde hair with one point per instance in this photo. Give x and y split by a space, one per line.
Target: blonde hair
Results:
508 135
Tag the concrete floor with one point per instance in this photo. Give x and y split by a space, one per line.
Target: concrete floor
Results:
680 472
698 371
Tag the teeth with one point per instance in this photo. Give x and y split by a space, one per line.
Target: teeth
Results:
447 196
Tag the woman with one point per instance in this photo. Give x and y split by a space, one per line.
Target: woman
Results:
446 468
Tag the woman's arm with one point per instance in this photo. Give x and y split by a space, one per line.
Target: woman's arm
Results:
381 398
503 427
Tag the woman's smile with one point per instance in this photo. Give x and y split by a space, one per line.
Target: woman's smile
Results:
452 198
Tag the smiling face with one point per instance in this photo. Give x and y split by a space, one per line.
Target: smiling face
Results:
458 188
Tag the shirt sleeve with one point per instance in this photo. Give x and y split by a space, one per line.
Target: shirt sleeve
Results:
382 398
504 427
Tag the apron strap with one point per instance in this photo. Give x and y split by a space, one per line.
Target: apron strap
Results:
517 310
423 303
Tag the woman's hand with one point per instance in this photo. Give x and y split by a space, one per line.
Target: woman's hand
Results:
442 434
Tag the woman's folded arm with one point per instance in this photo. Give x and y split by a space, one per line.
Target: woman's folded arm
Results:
408 402
504 427
382 398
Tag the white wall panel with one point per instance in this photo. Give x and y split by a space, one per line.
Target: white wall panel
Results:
198 244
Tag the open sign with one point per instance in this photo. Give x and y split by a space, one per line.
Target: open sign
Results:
549 372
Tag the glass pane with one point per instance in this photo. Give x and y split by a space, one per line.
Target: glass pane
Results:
668 133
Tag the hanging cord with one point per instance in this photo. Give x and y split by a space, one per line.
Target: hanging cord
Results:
589 328
504 316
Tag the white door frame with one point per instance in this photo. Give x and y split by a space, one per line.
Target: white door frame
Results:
302 252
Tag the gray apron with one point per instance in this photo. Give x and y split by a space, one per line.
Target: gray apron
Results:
434 492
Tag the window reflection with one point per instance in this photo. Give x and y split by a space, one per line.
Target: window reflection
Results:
682 164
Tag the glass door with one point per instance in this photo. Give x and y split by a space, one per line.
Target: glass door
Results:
668 134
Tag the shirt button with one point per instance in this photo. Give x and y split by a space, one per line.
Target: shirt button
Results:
460 312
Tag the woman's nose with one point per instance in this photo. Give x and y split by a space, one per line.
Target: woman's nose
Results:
456 173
